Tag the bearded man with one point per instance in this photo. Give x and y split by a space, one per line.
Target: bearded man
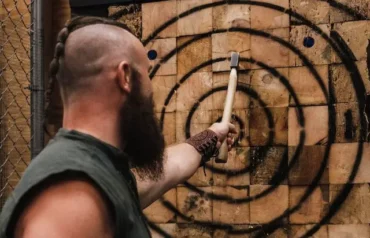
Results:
83 183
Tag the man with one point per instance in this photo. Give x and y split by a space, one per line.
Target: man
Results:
81 184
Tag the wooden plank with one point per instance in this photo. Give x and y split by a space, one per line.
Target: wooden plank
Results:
268 164
356 207
301 230
309 157
337 14
259 126
169 228
267 208
218 233
239 159
194 205
349 230
316 126
151 20
190 230
162 47
193 54
342 84
162 86
169 130
224 43
317 12
269 88
306 86
320 53
196 23
347 123
265 18
132 19
342 159
313 209
192 90
269 52
158 213
226 16
228 212
356 35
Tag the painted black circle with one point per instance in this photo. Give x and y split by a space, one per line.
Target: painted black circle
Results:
300 120
356 79
275 73
262 154
253 94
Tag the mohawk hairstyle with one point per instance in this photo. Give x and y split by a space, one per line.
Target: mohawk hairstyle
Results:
77 22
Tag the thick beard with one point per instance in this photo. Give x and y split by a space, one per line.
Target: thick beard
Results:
140 131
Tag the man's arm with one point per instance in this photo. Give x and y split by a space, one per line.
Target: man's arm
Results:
181 162
72 208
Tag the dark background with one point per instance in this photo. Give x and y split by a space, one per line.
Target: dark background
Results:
99 7
82 3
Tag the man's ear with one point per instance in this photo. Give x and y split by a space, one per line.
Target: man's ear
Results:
124 76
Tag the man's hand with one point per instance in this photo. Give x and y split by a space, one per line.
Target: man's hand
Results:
224 130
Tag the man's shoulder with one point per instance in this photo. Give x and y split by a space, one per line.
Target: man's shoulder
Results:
59 156
61 152
61 147
78 195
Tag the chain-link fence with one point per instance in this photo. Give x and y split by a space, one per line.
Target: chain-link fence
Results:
15 94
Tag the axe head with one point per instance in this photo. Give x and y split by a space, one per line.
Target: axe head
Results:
234 62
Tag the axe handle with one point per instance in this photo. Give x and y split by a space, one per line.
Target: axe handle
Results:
231 89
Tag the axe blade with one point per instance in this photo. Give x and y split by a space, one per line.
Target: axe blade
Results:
234 62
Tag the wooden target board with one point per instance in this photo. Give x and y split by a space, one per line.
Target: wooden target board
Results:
300 165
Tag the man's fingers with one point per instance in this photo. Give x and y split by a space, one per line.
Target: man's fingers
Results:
218 144
232 128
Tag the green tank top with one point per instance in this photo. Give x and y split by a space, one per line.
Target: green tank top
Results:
75 152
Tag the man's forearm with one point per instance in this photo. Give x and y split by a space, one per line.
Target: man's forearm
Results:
181 162
186 159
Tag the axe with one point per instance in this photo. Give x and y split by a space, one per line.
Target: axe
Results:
228 107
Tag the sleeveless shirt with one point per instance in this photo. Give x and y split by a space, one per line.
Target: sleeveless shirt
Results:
75 152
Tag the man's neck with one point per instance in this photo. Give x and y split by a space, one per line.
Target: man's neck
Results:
97 123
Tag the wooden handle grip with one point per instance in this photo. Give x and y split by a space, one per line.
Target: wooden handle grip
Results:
233 81
223 153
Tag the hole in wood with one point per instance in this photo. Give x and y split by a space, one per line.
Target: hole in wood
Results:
308 42
152 54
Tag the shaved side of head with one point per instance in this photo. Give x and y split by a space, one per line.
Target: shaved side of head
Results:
92 48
